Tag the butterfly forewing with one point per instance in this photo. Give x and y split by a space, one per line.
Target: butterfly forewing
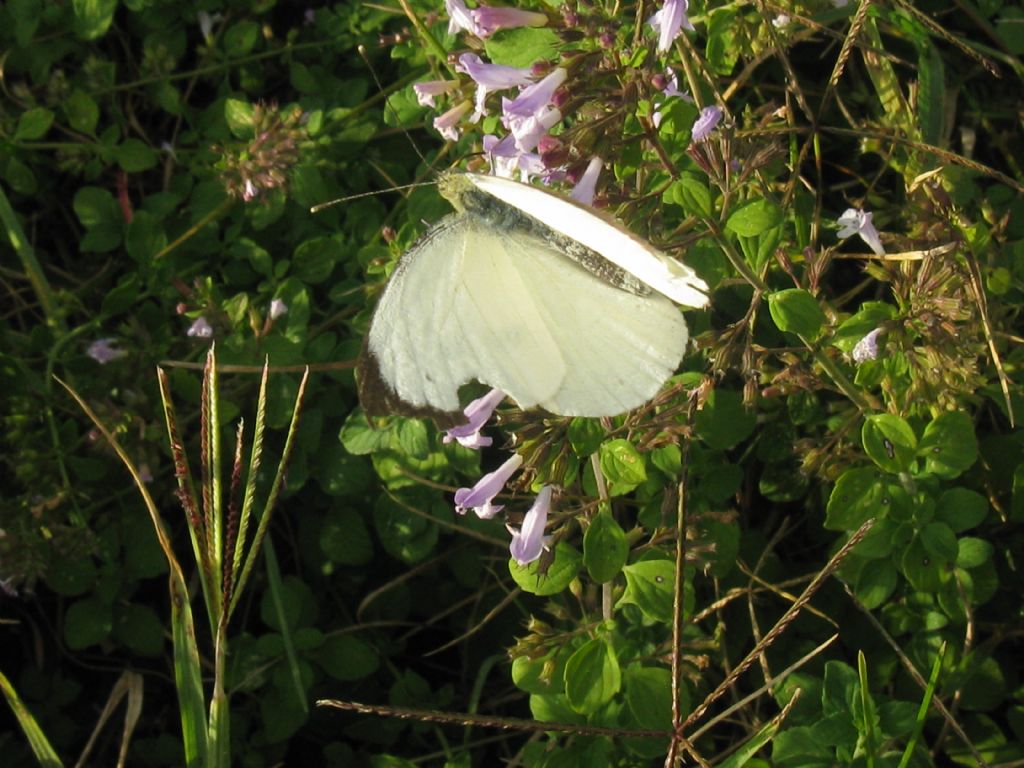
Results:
509 310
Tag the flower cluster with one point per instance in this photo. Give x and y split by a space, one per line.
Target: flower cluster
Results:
533 98
529 541
262 164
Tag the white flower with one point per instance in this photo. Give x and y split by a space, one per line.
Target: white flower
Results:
857 222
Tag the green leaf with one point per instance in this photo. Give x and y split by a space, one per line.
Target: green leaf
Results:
622 464
523 47
145 237
346 657
949 445
559 573
972 552
140 629
33 124
585 436
359 438
604 548
889 441
134 156
240 117
87 622
93 17
754 218
27 15
96 207
81 111
723 422
722 49
875 582
345 539
650 585
795 310
314 259
692 194
592 676
240 38
71 576
961 509
649 696
940 542
931 92
858 495
20 176
923 571
404 523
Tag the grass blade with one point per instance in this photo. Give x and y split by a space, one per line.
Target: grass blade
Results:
41 748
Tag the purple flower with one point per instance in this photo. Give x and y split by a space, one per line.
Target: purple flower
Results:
705 123
104 351
479 497
446 123
867 348
277 308
534 98
669 21
529 541
200 329
426 91
489 20
671 90
854 221
781 20
584 190
527 131
249 192
477 414
502 154
460 17
491 77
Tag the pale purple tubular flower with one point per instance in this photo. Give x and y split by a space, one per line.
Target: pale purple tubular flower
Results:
250 192
460 17
534 98
477 413
427 90
867 348
669 22
206 22
585 188
530 164
447 124
529 541
527 131
854 221
479 497
670 90
491 77
502 154
277 308
672 84
200 329
489 20
781 20
104 351
705 123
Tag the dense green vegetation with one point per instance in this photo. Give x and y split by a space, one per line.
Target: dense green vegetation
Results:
838 462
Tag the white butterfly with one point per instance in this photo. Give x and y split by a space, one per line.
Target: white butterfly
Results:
550 301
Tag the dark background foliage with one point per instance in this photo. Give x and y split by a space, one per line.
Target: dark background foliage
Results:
128 147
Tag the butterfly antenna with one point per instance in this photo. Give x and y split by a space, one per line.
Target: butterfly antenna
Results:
380 87
323 206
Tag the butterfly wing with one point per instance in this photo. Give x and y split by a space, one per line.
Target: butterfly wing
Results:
505 308
601 234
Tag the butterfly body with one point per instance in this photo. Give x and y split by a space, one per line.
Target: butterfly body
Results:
501 293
